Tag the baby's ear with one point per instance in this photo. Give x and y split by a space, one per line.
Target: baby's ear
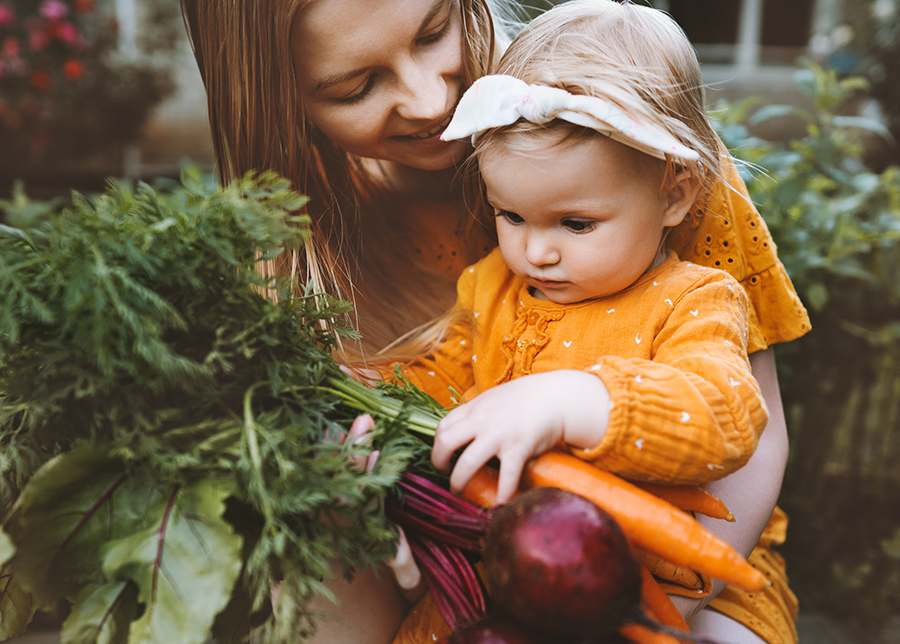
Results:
680 195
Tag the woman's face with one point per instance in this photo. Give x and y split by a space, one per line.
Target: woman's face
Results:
381 78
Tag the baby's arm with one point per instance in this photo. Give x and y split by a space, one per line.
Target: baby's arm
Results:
694 413
691 415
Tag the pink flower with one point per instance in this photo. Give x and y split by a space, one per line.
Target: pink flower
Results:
16 67
38 40
7 14
54 9
67 32
11 47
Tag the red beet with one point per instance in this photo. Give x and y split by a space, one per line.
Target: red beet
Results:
500 628
560 564
496 628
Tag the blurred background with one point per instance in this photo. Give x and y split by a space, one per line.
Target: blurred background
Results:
805 92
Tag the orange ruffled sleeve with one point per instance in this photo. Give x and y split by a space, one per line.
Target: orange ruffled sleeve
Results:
727 232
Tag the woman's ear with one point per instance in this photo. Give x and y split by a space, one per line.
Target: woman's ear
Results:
680 196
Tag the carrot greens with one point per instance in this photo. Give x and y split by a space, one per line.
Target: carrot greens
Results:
171 441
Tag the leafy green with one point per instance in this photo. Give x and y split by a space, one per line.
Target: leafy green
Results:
172 440
836 222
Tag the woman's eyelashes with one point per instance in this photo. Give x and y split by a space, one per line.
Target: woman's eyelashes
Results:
437 36
372 79
361 94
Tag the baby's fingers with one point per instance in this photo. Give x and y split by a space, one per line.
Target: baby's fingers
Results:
449 438
508 482
469 462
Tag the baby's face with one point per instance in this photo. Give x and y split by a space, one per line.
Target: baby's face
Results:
576 221
381 78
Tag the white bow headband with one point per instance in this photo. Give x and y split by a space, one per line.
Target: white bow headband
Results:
497 100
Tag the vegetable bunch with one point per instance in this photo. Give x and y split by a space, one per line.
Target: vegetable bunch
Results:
172 441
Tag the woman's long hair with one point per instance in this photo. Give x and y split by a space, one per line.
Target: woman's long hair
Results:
258 123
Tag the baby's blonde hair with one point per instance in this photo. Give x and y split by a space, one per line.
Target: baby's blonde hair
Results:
632 55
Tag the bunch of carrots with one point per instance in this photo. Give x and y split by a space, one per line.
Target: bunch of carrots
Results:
655 518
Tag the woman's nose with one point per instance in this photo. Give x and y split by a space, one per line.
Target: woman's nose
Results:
423 92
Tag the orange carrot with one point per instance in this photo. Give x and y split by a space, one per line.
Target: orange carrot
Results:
691 498
657 601
643 635
668 571
650 522
482 488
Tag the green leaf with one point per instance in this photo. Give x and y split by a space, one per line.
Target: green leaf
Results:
16 607
863 123
817 295
185 562
778 111
84 521
232 625
102 614
68 510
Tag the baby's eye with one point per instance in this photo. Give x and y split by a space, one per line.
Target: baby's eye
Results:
579 225
511 217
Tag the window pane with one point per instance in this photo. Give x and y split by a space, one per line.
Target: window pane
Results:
712 22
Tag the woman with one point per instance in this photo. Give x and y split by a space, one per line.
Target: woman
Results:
348 98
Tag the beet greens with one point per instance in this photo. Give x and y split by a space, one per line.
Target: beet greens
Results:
171 442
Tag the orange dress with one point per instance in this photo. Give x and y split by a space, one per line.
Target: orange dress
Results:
670 349
724 231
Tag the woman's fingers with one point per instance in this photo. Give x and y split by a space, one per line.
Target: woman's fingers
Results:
406 571
361 425
359 433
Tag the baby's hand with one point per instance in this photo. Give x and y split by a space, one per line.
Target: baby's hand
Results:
519 420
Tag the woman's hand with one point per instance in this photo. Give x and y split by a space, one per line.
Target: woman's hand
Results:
519 420
406 572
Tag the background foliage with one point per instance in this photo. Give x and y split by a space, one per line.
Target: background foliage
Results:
837 226
66 88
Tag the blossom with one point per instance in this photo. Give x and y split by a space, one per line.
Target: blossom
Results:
38 40
16 67
842 35
39 79
54 9
83 6
883 9
73 69
7 14
10 47
67 32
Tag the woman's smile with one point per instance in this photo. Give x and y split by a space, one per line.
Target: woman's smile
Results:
381 78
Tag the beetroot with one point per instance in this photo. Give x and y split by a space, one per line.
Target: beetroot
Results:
499 628
496 628
558 563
